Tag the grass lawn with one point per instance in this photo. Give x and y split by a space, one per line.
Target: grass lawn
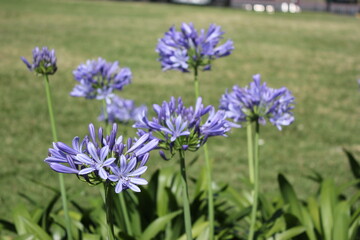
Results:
315 55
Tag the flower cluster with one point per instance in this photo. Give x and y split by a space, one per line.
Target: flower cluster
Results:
121 110
104 158
188 49
44 61
258 102
181 128
98 78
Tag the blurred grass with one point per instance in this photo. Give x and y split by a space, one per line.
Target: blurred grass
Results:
313 54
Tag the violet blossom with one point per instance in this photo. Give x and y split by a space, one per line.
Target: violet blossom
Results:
258 102
100 158
180 128
189 49
121 110
99 78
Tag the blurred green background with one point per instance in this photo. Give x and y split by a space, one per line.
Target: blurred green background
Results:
315 55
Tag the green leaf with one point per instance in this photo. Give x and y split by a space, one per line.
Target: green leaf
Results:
34 229
314 212
162 200
19 213
88 236
354 165
308 223
354 229
158 225
289 196
327 206
201 182
341 221
26 237
289 234
198 229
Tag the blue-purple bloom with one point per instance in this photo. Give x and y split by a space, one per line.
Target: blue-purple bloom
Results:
189 49
98 78
44 61
122 110
258 102
181 128
100 158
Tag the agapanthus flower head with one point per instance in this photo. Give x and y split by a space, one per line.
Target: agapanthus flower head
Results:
189 49
99 78
44 61
180 128
122 110
98 158
258 102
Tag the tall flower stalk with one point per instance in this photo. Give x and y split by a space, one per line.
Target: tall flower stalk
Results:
256 104
188 50
98 79
253 142
180 129
44 64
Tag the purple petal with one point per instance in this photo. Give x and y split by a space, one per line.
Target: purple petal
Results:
141 140
139 181
108 162
103 174
119 187
62 169
84 159
148 147
138 172
134 187
93 152
86 171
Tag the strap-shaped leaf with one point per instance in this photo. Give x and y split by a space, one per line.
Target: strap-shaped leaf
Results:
289 234
289 196
198 229
158 225
34 229
314 211
341 221
327 206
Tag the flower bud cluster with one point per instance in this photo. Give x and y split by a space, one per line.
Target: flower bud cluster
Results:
44 61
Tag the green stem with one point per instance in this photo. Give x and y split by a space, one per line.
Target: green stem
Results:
208 169
250 151
121 196
125 214
61 177
185 193
107 125
109 208
196 84
256 181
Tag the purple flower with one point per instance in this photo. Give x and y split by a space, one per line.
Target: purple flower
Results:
127 176
122 110
44 61
258 103
102 158
98 78
189 49
180 128
96 161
